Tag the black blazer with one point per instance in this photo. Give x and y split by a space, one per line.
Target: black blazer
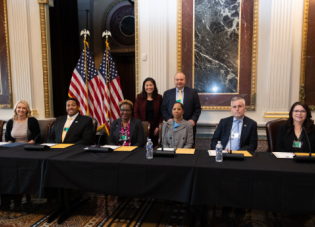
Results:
285 141
136 132
192 108
80 131
249 136
32 125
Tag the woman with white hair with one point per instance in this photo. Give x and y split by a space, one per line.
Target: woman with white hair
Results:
22 127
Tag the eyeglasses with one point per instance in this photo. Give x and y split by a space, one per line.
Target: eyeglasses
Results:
299 111
125 111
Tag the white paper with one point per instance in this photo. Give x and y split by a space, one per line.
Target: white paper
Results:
49 144
166 149
284 154
214 152
111 146
2 143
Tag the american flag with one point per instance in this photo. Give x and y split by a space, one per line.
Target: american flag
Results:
111 89
77 88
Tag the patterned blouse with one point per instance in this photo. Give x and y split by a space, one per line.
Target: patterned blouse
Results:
124 135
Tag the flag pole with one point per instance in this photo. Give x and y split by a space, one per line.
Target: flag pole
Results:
85 33
107 33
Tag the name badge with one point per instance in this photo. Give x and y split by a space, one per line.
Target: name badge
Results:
297 144
65 129
178 100
235 135
123 138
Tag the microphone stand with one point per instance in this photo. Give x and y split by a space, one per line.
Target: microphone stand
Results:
230 155
163 153
98 148
308 158
34 147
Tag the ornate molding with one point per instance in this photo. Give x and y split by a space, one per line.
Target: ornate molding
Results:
44 58
137 46
7 106
303 51
179 35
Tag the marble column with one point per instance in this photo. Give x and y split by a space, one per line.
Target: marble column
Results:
280 61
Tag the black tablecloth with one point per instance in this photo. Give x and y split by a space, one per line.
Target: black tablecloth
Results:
261 182
161 177
85 170
21 171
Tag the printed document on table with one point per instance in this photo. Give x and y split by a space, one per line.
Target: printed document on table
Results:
166 149
284 154
49 144
214 153
111 146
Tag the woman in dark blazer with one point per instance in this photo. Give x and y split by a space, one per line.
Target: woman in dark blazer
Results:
22 127
292 135
148 108
127 130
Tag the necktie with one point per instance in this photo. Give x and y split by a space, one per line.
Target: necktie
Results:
180 97
236 140
65 129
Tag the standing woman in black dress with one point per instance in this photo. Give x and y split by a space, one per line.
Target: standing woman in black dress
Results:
148 108
292 135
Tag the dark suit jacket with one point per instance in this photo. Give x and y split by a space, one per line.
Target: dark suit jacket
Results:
249 136
285 141
140 109
136 132
192 108
80 131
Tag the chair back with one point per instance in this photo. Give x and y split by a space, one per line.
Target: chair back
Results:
94 121
160 135
146 129
1 130
44 126
272 128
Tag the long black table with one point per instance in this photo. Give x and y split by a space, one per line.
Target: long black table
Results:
261 182
124 174
21 172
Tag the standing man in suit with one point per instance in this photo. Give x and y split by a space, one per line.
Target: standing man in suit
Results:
72 128
187 96
237 132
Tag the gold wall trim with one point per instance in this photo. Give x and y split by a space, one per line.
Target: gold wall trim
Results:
303 51
179 35
137 46
276 116
7 106
273 113
44 58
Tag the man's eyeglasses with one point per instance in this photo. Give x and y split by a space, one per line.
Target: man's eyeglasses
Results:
301 111
125 111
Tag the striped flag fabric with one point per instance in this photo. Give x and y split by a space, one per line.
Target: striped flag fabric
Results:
110 86
78 89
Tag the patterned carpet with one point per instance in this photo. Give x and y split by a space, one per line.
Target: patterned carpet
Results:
112 211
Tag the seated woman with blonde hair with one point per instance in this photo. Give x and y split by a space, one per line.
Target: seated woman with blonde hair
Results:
127 130
178 133
22 128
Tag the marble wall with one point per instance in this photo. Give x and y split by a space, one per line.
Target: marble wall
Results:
216 63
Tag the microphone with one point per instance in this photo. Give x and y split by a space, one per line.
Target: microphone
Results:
308 158
230 139
231 156
98 147
34 147
163 153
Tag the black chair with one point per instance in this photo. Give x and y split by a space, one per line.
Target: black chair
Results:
272 128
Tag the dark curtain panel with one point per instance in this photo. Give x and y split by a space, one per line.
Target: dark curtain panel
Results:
65 49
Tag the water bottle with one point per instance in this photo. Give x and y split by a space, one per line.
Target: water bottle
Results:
149 149
218 148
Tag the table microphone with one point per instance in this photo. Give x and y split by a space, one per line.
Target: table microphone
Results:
34 147
163 153
308 158
98 147
230 155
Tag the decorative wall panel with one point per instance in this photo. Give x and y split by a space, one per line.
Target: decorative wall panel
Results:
219 50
